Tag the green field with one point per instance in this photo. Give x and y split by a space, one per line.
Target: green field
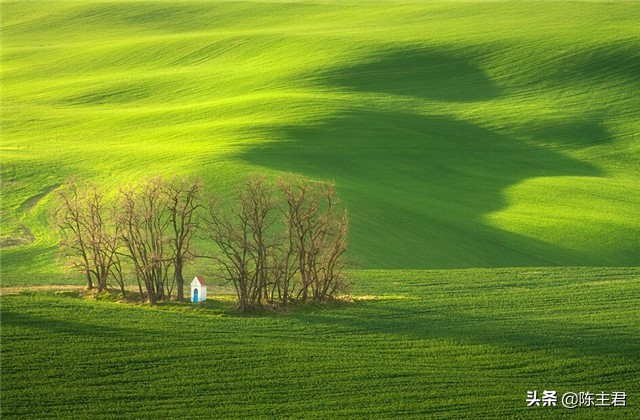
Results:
424 344
470 141
474 134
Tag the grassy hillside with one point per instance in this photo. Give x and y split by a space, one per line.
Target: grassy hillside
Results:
474 134
425 344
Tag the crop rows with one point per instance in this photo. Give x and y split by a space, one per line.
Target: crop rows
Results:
421 344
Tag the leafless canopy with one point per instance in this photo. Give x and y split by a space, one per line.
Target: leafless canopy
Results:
144 222
317 230
277 242
182 202
281 242
91 240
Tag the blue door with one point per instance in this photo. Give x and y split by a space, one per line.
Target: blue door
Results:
195 295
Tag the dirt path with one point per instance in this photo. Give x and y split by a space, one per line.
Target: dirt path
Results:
14 290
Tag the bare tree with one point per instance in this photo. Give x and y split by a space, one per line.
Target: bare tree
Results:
89 237
71 220
245 237
118 273
257 204
117 247
283 267
329 271
231 233
183 202
144 223
319 232
301 215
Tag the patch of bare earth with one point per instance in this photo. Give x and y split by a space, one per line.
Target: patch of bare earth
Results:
14 290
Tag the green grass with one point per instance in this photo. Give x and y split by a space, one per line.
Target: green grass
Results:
424 344
460 134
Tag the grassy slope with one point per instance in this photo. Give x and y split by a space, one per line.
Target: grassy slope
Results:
454 343
460 134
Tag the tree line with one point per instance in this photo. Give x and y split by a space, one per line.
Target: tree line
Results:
275 242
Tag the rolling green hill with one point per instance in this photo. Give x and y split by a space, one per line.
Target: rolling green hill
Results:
473 134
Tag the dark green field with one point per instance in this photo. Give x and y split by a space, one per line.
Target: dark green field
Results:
417 344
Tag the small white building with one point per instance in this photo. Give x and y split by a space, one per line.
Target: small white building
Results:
198 289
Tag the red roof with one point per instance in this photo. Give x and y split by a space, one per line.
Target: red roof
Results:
201 280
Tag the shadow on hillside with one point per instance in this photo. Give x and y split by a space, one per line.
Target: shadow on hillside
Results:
428 180
518 333
76 328
417 72
566 135
614 63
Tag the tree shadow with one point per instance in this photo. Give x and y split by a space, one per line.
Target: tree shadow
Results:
74 328
570 135
618 63
418 186
417 72
508 331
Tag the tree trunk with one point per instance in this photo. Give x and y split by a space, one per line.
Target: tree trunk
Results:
179 280
89 282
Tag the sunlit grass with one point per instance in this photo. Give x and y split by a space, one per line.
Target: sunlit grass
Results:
470 134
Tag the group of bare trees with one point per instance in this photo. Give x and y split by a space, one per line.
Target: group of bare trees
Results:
157 221
145 232
89 237
275 242
281 242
